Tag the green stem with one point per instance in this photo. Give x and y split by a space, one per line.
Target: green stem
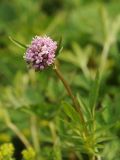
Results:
94 158
34 134
75 102
56 142
16 130
104 56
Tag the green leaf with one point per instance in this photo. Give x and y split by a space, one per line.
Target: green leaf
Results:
84 107
57 150
94 93
59 48
104 139
70 112
19 44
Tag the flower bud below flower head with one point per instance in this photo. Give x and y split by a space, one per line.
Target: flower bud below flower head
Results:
41 53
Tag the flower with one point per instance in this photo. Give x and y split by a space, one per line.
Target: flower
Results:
41 53
6 151
29 154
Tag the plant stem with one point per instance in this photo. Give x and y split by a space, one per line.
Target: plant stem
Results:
56 142
34 134
16 130
104 56
75 102
110 38
93 157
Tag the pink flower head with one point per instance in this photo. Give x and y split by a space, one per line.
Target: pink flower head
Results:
41 52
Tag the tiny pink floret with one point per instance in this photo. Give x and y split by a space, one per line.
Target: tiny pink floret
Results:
41 52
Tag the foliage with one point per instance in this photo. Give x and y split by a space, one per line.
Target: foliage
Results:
34 107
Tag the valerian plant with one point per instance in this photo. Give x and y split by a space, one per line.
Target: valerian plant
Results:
83 133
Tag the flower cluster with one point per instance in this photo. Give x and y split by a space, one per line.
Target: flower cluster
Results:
41 52
29 154
6 151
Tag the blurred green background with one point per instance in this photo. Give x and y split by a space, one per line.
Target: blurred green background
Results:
87 27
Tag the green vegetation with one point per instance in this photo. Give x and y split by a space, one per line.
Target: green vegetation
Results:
38 120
